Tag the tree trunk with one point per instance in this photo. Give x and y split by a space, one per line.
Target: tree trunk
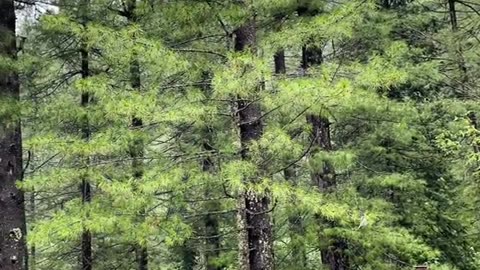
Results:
187 253
279 60
324 179
333 256
85 189
12 210
459 53
85 186
472 116
137 146
254 215
453 15
137 154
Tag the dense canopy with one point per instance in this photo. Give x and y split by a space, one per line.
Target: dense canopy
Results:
239 134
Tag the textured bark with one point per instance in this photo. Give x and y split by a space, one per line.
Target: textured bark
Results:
12 210
254 217
324 179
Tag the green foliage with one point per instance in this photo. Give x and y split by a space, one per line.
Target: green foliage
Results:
403 146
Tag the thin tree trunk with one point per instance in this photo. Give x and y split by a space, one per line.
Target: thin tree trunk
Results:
85 188
459 53
333 256
12 209
137 148
254 217
137 154
472 116
86 235
324 179
453 15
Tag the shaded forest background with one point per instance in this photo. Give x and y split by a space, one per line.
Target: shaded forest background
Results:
239 134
